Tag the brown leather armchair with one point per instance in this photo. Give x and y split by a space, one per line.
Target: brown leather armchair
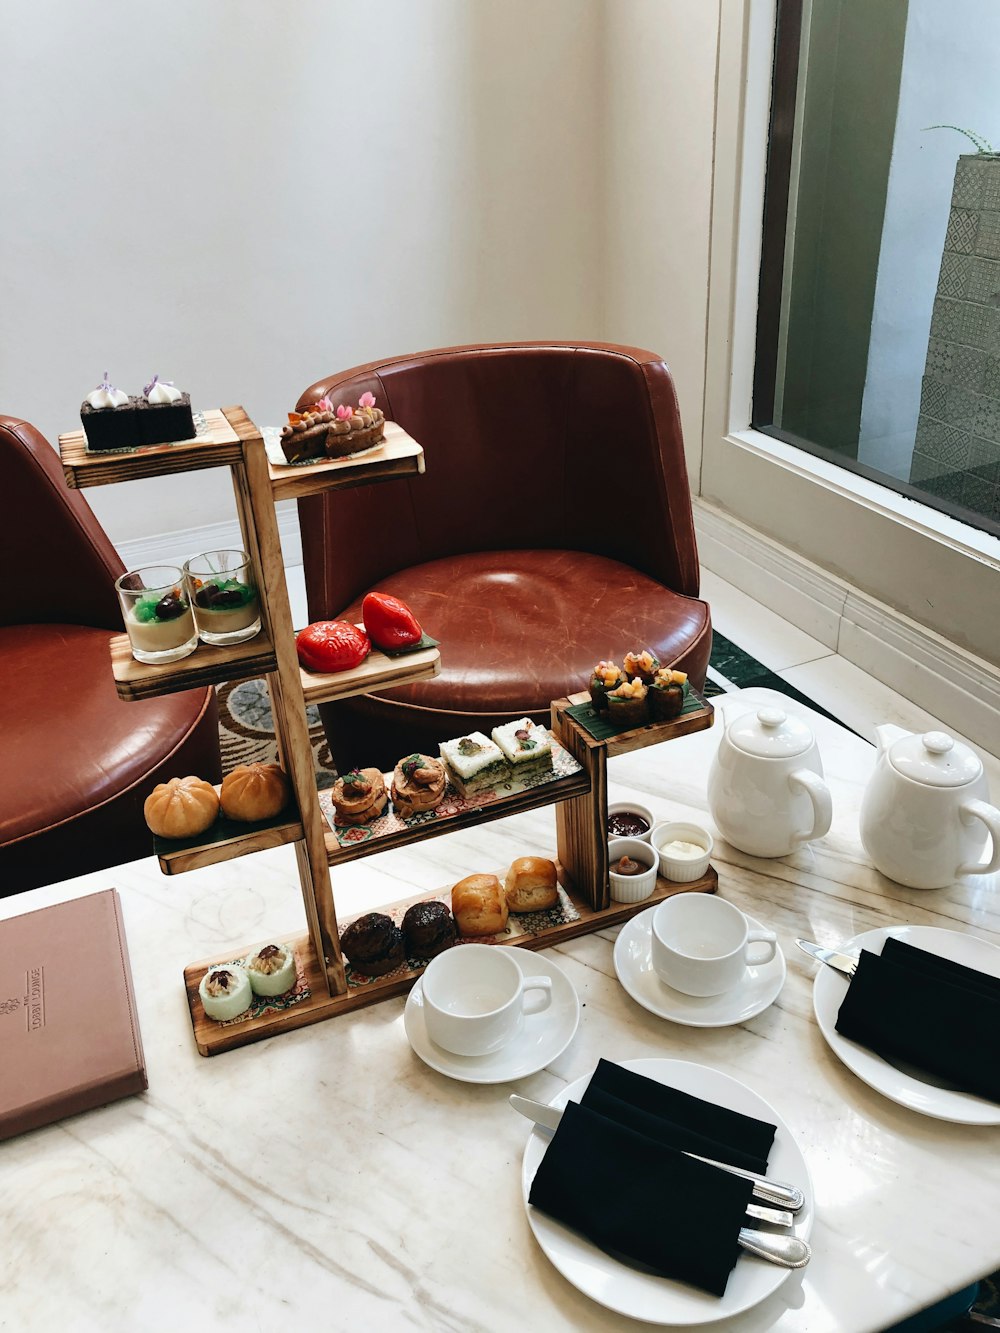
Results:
76 762
552 528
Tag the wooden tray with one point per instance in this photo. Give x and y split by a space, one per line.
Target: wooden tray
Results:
313 1004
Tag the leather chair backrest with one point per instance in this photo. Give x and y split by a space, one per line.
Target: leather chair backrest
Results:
58 565
540 445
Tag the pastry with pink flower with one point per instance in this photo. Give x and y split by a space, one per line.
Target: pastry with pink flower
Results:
325 431
355 428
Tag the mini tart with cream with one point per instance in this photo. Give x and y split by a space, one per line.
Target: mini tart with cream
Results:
666 694
606 676
359 796
525 746
271 970
225 992
418 783
628 705
325 431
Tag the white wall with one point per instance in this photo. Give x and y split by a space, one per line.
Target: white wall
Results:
244 195
659 152
949 76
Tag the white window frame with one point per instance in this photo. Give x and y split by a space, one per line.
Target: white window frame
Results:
941 573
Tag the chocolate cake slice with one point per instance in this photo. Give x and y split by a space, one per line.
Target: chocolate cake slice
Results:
110 418
164 414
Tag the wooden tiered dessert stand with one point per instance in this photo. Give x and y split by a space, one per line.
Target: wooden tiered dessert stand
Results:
232 440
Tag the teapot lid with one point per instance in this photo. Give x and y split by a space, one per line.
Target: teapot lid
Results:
770 733
935 759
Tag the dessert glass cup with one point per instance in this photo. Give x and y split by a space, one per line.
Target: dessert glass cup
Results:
157 614
232 614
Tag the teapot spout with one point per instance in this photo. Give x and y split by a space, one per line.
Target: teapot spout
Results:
887 734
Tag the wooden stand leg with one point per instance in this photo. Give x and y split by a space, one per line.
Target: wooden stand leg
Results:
259 525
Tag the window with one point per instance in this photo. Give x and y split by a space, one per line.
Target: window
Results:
878 327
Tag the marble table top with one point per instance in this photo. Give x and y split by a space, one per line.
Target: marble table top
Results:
329 1175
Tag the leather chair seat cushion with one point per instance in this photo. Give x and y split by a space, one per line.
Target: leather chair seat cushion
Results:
521 628
71 746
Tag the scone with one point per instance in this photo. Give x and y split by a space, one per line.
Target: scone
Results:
531 885
418 783
373 944
359 796
480 905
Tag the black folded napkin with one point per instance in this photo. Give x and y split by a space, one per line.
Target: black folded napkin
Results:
678 1119
616 1172
641 1201
939 1016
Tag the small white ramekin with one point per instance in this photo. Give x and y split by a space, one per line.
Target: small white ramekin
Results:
632 888
631 808
681 870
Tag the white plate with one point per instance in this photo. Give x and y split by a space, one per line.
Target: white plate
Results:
634 966
916 1090
660 1300
542 1037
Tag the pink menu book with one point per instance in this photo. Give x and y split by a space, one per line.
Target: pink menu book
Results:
69 1037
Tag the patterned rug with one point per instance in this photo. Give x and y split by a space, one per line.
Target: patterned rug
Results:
246 730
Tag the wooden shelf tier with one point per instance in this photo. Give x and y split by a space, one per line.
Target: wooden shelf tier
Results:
376 672
220 446
546 793
582 824
399 455
213 1038
209 664
225 840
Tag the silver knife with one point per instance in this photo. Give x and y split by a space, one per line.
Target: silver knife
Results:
766 1191
841 962
785 1251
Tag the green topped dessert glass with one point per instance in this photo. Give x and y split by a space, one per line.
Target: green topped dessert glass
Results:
157 614
223 593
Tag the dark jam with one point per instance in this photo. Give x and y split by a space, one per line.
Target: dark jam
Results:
626 824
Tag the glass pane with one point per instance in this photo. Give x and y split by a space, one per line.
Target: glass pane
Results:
879 340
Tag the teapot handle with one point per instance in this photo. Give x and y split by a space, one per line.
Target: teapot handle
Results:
819 794
990 816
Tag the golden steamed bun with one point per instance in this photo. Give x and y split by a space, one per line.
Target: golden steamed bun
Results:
181 808
254 791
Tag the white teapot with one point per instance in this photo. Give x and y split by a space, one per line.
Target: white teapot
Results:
925 815
765 788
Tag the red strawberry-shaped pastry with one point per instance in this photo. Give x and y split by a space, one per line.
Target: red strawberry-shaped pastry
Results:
332 645
390 623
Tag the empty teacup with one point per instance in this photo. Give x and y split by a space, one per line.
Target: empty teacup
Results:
475 998
702 945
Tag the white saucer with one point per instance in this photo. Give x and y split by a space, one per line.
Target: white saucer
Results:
542 1037
660 1300
634 966
902 1084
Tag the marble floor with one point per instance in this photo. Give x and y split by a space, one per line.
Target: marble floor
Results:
801 662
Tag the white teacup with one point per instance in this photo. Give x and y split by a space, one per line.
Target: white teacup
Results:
474 998
702 944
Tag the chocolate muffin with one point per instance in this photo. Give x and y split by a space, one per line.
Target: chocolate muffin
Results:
373 944
429 929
